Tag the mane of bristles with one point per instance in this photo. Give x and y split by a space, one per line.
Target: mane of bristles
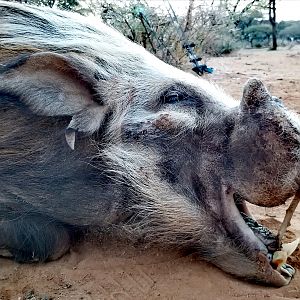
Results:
99 48
32 29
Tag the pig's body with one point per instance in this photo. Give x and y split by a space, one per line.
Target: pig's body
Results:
95 131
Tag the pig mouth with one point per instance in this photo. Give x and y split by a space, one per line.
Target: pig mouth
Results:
264 234
258 238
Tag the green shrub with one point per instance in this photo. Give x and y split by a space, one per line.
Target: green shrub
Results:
258 35
292 31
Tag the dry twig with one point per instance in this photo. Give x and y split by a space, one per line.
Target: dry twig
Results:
288 216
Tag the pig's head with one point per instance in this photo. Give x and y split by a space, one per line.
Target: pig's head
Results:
190 153
178 148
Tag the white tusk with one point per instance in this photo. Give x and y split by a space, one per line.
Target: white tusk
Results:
289 248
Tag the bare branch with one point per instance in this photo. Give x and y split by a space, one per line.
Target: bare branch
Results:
188 24
148 34
288 216
236 5
248 6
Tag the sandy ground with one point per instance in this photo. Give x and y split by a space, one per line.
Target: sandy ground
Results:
118 270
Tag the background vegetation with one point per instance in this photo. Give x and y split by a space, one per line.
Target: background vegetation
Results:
215 27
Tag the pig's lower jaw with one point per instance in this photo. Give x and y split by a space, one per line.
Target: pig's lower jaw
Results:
271 242
269 239
259 241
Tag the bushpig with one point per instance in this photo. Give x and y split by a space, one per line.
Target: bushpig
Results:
96 131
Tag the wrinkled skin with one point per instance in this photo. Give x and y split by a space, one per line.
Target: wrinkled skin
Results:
147 148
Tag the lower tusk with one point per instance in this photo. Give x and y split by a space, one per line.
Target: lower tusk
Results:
280 257
289 248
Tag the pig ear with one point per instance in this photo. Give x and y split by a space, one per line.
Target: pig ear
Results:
254 94
51 85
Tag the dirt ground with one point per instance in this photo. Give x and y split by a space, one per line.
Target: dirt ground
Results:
119 270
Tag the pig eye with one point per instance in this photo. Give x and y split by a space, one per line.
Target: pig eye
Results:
172 97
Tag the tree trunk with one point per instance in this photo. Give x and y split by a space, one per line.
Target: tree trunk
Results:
272 19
